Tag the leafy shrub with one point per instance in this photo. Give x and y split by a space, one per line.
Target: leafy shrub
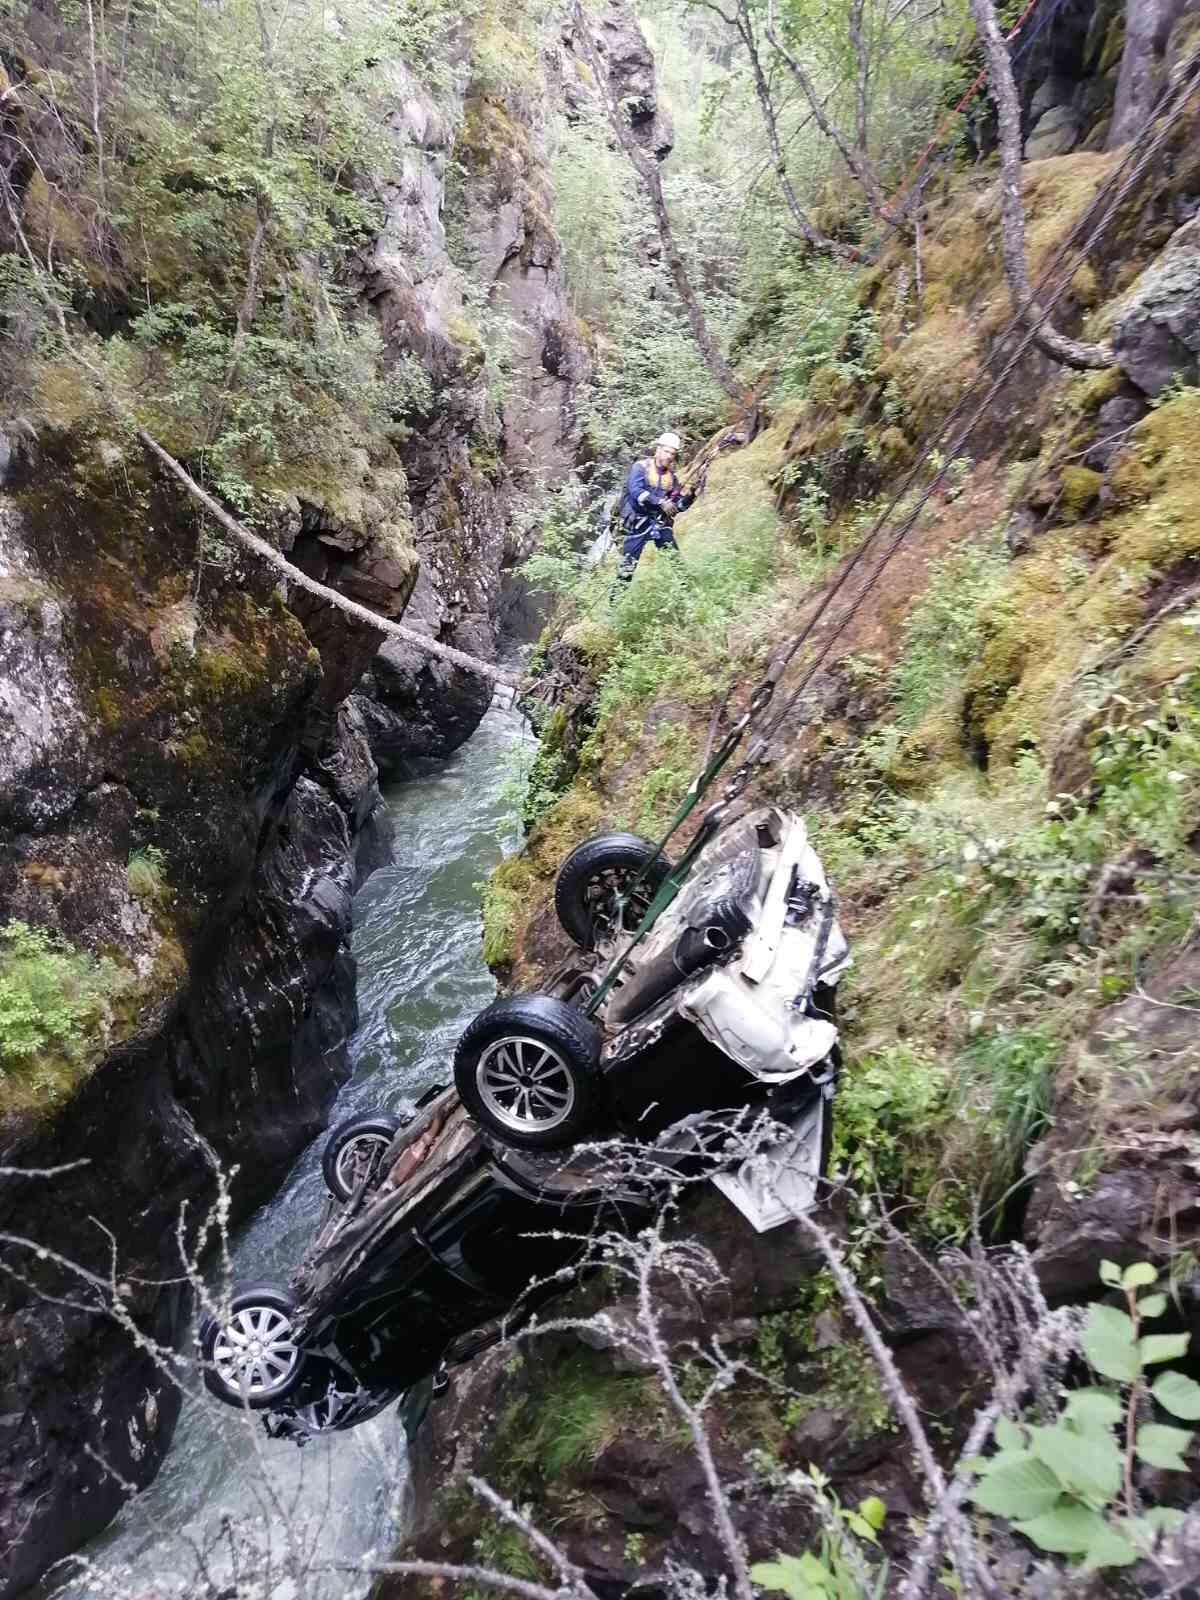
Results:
942 634
1068 1485
53 997
886 1104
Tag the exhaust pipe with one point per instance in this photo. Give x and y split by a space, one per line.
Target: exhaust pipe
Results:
718 936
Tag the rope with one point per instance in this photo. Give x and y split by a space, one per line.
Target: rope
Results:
1106 200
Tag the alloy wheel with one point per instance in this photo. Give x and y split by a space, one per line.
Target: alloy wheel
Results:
253 1354
356 1158
525 1084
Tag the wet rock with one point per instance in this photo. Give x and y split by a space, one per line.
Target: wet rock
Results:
915 1298
1019 532
185 726
1113 422
1117 1180
1157 335
1054 134
1140 81
346 767
1052 91
412 704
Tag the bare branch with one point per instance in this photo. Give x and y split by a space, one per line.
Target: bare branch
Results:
745 28
853 154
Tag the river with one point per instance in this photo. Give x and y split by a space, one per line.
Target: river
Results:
421 978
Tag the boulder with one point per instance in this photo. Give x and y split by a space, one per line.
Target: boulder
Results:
1053 91
1115 1178
1113 421
1157 335
1055 133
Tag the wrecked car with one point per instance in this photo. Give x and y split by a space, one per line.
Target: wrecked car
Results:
450 1230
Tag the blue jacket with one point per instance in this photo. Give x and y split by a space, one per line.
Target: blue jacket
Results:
646 491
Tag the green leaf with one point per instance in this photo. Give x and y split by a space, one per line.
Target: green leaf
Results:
873 1510
1163 1347
1152 1306
1008 1435
1068 1528
1092 1471
1139 1276
1110 1273
1109 1345
1178 1395
1110 1548
1019 1486
803 1578
1093 1409
1160 1446
1145 1529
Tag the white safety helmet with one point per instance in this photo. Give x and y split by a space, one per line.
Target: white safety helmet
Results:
669 441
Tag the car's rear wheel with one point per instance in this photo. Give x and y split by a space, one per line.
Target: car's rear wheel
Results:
354 1150
252 1359
527 1069
595 894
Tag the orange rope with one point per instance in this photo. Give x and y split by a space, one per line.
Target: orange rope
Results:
950 115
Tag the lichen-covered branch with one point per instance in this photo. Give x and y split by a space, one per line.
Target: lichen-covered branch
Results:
1071 352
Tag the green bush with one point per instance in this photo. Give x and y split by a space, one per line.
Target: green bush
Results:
53 999
1068 1485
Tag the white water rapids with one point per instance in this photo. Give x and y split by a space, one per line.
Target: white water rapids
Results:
421 978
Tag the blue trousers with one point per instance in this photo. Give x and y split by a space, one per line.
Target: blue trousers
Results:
635 543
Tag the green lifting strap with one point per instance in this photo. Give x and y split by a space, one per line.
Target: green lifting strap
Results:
675 879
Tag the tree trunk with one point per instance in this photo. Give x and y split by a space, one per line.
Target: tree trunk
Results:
1071 352
647 170
745 27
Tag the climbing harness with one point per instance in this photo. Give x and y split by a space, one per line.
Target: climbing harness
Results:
1100 210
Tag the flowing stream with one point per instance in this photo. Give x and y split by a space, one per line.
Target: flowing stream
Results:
421 978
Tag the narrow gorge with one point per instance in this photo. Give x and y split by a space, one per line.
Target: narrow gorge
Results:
407 292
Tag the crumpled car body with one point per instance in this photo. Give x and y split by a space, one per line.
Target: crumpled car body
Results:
455 1237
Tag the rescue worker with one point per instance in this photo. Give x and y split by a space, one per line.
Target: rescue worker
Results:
652 500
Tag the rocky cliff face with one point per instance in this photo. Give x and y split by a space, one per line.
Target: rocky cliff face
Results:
188 793
485 313
157 716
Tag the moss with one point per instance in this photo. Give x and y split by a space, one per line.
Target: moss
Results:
505 903
1079 487
1090 391
933 366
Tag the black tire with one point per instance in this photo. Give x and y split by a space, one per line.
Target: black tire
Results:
352 1147
263 1309
594 873
549 1052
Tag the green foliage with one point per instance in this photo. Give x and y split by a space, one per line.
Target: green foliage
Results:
584 1410
649 374
942 634
1144 793
837 1570
145 872
1067 1485
212 221
1009 1072
887 1104
53 1005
